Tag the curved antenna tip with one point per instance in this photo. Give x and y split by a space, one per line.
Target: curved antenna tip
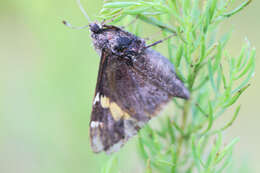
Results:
73 27
64 22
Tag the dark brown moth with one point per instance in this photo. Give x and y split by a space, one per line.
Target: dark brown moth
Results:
133 84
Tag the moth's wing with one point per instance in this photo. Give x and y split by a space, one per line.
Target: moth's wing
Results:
141 89
160 71
108 133
128 96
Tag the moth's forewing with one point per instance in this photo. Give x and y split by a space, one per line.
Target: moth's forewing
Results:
110 125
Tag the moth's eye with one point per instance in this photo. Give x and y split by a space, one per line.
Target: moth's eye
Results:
95 28
122 43
139 42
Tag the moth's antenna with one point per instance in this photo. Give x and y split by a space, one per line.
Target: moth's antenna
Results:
85 14
83 11
73 27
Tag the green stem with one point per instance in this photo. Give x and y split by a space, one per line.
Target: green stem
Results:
186 109
183 127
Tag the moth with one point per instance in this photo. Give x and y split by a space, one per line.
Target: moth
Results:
134 83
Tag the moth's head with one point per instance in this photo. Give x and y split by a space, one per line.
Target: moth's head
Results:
115 40
95 28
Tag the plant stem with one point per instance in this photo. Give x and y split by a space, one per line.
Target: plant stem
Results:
186 109
183 127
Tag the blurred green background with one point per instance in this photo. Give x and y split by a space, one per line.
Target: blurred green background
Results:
47 81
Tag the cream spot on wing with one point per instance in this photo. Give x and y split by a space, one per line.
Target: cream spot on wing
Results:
117 112
105 102
96 99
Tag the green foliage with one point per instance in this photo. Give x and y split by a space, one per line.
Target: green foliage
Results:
187 140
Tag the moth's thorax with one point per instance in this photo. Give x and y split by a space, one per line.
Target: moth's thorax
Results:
115 40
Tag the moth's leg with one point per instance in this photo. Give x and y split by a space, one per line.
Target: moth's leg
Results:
160 41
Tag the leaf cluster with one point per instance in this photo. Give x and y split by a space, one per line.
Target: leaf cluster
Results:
186 140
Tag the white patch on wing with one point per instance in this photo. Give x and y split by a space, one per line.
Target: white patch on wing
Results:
97 144
96 99
95 124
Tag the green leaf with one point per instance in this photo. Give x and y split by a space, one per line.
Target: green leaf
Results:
229 123
178 128
171 131
195 155
232 120
239 8
210 118
245 82
164 163
248 66
201 84
201 110
202 50
180 75
211 76
136 11
218 142
217 58
226 163
235 97
179 55
241 56
211 8
226 150
120 4
109 12
141 147
157 23
223 77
